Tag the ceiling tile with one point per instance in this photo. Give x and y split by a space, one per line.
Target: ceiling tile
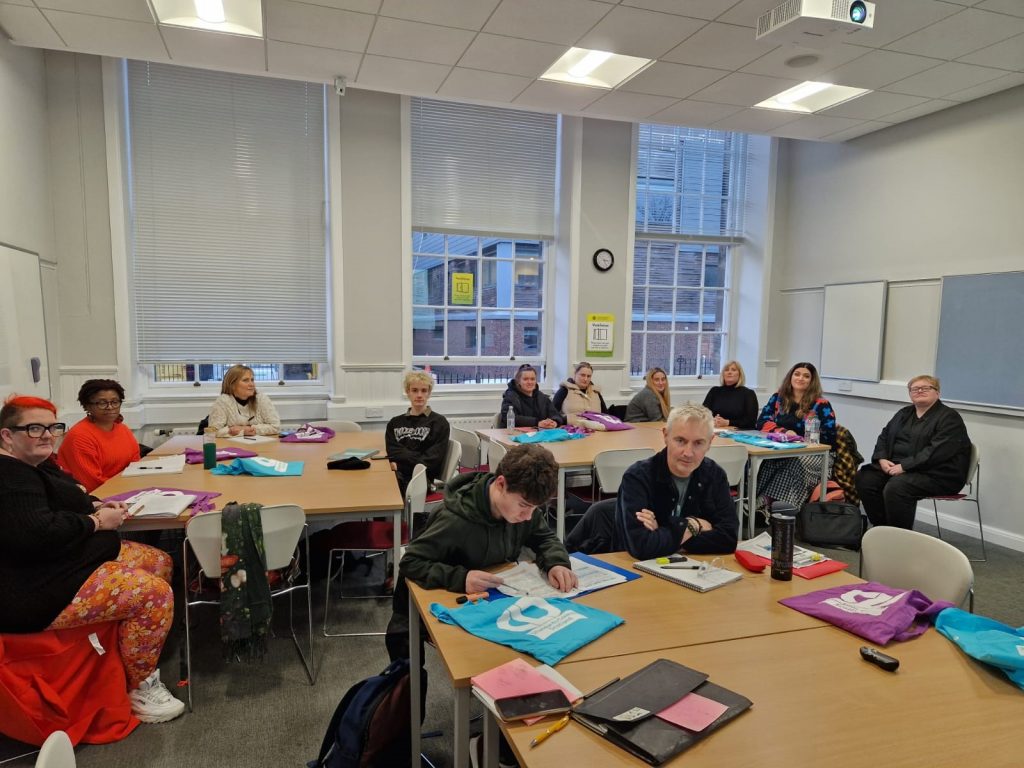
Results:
398 76
628 106
360 6
1012 7
896 18
1008 54
323 64
944 80
552 21
476 84
879 68
196 47
28 26
744 90
696 113
986 89
464 14
858 130
774 64
755 121
558 96
678 80
109 37
960 34
872 106
422 42
511 55
317 25
635 32
815 127
696 9
28 3
724 46
133 10
934 105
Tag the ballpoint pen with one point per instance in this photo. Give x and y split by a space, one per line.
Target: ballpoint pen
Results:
552 729
675 567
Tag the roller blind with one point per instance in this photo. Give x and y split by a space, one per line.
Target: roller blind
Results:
227 216
483 169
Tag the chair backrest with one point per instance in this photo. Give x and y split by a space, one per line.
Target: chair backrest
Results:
609 466
282 526
470 447
56 752
906 559
340 426
496 424
732 459
416 491
451 460
495 453
972 468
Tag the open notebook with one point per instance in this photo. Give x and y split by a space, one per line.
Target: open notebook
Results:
699 580
164 465
159 503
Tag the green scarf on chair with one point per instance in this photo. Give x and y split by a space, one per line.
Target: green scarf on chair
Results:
245 604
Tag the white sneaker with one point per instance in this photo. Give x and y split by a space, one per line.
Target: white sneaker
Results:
153 703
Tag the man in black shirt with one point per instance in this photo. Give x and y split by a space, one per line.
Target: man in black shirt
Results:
419 436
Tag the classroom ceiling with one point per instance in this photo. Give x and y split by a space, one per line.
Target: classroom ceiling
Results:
922 55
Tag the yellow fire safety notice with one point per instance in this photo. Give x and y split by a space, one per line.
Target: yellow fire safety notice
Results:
462 288
600 335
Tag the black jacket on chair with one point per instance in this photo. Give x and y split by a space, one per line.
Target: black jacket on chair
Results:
941 450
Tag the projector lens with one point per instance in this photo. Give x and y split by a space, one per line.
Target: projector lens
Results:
858 12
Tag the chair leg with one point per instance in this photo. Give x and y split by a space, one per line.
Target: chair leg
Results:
981 533
188 628
307 662
327 597
935 508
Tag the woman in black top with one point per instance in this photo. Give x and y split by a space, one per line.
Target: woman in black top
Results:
532 407
732 404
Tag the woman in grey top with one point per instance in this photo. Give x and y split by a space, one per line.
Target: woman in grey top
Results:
653 402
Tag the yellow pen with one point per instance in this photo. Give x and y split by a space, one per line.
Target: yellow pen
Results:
551 730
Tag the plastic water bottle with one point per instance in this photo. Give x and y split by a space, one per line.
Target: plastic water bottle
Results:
510 419
209 448
812 428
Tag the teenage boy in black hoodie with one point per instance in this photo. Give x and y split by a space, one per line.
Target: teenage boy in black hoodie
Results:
418 436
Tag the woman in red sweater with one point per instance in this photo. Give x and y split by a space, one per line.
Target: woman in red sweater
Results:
100 445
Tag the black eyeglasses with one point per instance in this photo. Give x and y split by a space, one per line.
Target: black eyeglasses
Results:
106 405
36 430
923 388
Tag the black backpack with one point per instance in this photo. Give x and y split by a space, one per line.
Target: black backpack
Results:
370 727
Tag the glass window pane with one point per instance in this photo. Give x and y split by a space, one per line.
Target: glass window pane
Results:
496 283
427 242
528 333
462 332
496 248
428 280
660 212
690 265
687 310
496 328
662 263
714 311
640 262
711 348
714 267
659 350
684 357
636 355
639 308
529 286
428 332
529 249
460 245
659 309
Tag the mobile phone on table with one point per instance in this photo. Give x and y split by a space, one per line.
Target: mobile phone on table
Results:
532 705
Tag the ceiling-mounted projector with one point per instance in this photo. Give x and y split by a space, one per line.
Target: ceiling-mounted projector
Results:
815 23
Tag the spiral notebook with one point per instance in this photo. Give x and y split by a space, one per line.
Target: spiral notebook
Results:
699 581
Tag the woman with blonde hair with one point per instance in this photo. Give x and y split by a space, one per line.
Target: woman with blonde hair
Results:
733 404
240 409
653 402
578 394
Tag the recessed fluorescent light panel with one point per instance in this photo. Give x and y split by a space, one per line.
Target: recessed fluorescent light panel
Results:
598 69
811 97
235 17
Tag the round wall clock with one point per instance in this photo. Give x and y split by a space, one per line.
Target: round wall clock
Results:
603 259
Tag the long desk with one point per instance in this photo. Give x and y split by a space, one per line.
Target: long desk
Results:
658 614
579 454
324 494
816 701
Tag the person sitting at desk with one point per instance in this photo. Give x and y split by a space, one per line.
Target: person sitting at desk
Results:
732 403
532 407
579 394
791 480
653 402
240 409
678 500
100 445
923 451
418 436
63 565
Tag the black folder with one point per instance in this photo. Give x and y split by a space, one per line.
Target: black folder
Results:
624 713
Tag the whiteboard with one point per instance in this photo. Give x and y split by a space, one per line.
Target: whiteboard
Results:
852 330
22 329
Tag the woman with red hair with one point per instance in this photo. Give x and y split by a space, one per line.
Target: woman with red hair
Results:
63 564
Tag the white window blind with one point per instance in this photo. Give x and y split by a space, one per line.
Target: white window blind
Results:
483 169
227 216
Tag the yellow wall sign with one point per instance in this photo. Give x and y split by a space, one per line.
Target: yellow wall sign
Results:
462 288
600 335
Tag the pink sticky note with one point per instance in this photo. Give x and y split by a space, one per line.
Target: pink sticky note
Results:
693 712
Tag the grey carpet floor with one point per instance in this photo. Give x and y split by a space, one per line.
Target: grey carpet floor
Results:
268 715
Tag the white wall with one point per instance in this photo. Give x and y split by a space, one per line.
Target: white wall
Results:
934 196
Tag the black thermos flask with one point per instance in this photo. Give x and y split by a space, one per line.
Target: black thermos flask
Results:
783 530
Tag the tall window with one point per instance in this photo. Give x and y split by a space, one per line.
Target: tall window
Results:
691 192
483 216
226 194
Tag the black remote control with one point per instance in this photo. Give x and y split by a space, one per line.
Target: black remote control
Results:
879 659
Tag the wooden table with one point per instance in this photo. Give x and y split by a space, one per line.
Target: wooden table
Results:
658 614
324 494
816 701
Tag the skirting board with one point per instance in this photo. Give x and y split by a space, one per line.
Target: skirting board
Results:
967 527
